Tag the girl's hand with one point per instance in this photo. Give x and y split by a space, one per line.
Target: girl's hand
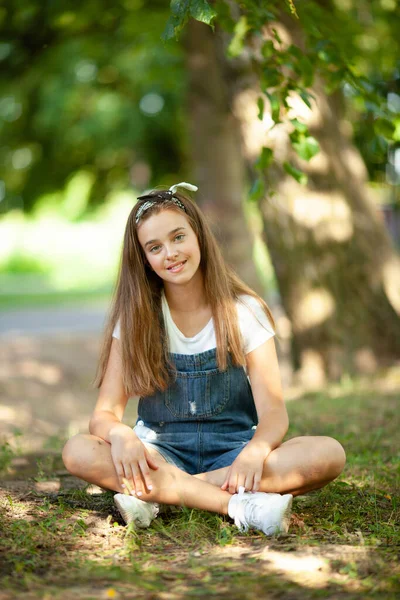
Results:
247 469
131 460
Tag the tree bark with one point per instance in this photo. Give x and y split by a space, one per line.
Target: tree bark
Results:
337 270
215 144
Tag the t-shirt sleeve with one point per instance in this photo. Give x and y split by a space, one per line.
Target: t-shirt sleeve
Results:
117 331
254 324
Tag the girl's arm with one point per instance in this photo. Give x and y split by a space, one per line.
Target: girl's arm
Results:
131 459
273 421
112 398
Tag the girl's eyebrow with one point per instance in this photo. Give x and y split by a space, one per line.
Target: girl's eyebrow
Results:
170 233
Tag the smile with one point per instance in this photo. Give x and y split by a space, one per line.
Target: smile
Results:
177 267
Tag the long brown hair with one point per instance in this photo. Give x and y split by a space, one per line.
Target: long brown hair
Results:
136 304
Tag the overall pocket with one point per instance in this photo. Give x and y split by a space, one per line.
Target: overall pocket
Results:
198 395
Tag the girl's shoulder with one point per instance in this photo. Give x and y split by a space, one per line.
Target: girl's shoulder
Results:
247 304
247 300
254 323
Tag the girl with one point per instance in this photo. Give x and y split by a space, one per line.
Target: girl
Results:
196 344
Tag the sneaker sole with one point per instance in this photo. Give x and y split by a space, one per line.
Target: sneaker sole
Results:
286 514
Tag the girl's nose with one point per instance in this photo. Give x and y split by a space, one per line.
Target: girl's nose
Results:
171 252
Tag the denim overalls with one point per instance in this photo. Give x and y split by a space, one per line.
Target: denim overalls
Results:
204 418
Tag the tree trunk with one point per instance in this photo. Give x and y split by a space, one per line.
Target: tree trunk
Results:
337 270
215 145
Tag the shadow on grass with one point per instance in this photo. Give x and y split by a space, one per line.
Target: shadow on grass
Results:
72 542
343 541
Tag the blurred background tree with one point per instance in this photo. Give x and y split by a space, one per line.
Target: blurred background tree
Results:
87 87
279 78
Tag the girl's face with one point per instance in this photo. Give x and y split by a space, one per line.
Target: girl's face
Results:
171 246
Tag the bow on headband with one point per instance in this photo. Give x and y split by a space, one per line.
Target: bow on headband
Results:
154 198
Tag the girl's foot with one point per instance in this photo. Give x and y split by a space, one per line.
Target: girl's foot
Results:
269 513
136 511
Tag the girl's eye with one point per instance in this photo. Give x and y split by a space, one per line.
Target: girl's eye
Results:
178 238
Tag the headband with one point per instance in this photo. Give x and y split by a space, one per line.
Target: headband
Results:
168 196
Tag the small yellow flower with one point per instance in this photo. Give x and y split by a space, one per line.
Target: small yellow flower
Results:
111 593
388 496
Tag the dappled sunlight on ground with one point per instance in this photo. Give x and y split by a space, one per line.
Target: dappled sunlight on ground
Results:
46 389
308 566
46 392
338 543
385 381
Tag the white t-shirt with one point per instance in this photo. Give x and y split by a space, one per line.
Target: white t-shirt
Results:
254 325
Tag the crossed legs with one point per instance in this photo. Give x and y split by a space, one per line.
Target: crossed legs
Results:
296 466
89 457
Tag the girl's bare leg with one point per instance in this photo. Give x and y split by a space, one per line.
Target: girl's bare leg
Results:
89 457
297 466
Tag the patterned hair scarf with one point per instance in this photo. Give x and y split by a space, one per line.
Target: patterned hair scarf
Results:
155 198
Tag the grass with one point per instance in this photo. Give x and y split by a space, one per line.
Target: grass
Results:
343 542
54 298
52 255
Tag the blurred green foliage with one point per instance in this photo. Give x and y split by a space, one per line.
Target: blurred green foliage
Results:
44 255
21 263
90 91
353 46
87 86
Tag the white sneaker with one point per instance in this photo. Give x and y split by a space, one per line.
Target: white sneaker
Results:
268 512
136 511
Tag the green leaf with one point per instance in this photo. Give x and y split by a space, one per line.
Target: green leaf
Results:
305 96
275 106
299 176
306 147
301 127
268 49
260 104
307 70
276 36
179 7
257 190
181 10
378 148
292 8
385 128
396 133
177 20
271 77
202 11
265 159
169 31
236 45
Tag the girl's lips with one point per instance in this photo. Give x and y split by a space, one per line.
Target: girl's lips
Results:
176 268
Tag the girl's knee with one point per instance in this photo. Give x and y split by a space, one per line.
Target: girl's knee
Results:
336 456
73 452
